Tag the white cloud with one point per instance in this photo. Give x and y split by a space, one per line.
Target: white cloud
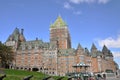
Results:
82 1
75 1
117 57
89 1
77 12
103 1
67 5
116 54
110 42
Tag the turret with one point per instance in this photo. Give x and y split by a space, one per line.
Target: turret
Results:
106 51
80 50
79 47
93 48
14 36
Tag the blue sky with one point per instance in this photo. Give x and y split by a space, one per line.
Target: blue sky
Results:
89 21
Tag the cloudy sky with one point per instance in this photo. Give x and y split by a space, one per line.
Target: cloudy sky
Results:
89 21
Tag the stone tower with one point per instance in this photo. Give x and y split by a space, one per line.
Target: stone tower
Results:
59 34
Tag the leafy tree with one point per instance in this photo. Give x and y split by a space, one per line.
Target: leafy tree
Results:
6 55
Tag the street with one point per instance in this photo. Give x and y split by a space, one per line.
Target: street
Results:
113 79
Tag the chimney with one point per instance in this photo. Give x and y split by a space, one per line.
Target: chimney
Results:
36 39
22 31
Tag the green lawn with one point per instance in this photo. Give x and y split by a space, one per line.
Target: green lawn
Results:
20 74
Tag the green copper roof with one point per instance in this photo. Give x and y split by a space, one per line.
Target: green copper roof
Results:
15 35
79 46
58 23
93 46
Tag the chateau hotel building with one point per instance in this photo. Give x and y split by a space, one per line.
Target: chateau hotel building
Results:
57 57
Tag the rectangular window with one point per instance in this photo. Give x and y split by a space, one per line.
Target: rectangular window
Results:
23 47
82 57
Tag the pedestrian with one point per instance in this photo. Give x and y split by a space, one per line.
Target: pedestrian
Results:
79 79
104 76
90 78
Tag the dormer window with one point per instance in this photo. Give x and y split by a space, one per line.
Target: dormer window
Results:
82 57
29 47
36 46
23 47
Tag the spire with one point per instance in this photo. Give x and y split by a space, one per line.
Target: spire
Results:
105 49
80 50
93 48
79 46
58 23
15 35
16 31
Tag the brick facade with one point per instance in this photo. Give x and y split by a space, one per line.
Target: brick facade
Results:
57 57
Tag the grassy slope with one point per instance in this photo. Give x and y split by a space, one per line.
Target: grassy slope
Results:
20 74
